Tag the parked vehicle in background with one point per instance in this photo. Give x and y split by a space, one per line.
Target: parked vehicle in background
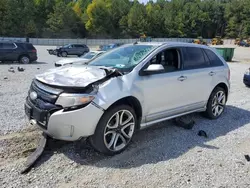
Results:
237 41
246 78
52 51
217 41
109 46
82 59
127 89
199 40
71 49
18 51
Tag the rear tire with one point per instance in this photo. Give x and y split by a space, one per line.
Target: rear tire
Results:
24 59
216 103
114 130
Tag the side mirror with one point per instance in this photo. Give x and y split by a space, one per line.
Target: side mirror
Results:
153 69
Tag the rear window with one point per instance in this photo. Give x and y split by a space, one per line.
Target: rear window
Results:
29 46
194 58
213 58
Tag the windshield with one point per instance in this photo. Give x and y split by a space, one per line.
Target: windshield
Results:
88 55
125 57
66 46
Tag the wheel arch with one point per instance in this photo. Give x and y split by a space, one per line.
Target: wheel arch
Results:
223 86
21 55
134 103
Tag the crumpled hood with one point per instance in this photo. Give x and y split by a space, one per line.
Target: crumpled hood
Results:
72 76
71 60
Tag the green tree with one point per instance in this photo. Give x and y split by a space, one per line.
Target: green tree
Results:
62 23
137 20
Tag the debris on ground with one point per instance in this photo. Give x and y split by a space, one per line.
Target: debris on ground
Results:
5 78
202 133
38 68
20 69
186 122
32 159
11 67
11 70
247 157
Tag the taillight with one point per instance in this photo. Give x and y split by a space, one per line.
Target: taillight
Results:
34 50
228 74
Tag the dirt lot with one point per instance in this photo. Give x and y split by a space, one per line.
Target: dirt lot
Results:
162 156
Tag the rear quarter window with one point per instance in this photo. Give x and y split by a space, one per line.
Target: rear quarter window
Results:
213 58
30 46
194 58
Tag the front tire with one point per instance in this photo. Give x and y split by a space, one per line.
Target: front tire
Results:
216 103
114 130
64 54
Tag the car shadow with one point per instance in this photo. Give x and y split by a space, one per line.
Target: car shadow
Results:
162 142
17 63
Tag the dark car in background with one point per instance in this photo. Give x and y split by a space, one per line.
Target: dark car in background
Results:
109 46
246 78
17 51
72 49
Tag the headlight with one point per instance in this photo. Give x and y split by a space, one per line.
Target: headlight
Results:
74 100
247 72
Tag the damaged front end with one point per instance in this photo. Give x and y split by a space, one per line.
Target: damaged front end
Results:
60 103
66 88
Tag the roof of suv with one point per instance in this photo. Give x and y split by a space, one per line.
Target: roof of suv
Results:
173 44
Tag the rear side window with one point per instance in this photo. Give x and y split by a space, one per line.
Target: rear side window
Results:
213 58
8 46
80 46
194 58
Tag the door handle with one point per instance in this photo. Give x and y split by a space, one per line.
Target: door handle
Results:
182 78
212 73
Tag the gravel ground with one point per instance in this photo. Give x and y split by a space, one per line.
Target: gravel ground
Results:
161 156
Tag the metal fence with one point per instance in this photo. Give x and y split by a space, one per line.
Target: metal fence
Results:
95 42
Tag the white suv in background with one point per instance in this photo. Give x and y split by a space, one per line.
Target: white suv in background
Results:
127 89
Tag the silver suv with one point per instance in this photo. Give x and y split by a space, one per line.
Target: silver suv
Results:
127 89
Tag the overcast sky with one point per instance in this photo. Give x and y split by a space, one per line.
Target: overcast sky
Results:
143 1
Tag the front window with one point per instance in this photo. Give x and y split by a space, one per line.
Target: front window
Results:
123 58
88 55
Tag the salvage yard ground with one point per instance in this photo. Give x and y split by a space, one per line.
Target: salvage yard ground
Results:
162 156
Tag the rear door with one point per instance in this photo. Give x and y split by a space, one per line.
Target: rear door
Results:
218 72
196 77
79 49
11 52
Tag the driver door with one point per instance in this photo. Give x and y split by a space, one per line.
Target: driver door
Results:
162 91
71 50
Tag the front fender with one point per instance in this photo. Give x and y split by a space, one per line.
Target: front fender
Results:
115 89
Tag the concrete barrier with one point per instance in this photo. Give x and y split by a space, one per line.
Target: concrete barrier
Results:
96 42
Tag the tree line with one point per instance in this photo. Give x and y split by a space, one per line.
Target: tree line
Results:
124 18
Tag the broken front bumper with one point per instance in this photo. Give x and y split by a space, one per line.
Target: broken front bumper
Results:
65 125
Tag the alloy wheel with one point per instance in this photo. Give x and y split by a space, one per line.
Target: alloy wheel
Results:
119 130
25 60
218 103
